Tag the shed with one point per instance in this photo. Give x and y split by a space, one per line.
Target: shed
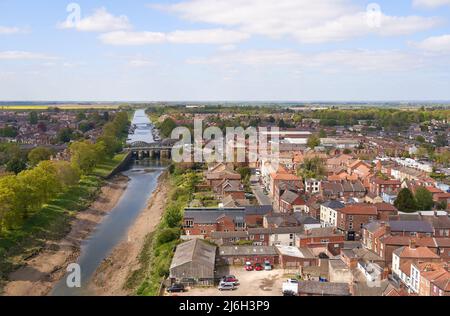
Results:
194 263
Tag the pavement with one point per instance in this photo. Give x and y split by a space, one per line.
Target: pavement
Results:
260 196
254 283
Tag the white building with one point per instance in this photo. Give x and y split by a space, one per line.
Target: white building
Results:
328 213
312 185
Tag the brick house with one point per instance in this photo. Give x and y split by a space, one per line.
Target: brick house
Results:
239 255
204 221
379 186
342 189
320 237
352 218
430 278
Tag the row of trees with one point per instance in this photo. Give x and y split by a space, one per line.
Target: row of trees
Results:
24 194
85 155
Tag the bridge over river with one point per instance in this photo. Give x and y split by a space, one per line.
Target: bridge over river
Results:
161 149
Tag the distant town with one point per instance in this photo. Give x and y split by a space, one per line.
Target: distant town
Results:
356 205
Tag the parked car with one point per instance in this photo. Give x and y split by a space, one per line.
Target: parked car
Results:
249 266
267 266
176 288
259 267
223 286
230 279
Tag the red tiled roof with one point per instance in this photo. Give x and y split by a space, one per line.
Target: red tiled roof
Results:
359 209
385 207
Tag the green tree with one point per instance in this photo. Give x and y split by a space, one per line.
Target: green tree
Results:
33 118
65 135
313 141
173 216
420 139
405 201
322 134
85 155
441 140
39 154
16 164
167 127
312 168
424 199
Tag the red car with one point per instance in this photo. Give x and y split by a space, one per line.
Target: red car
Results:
259 267
249 266
230 279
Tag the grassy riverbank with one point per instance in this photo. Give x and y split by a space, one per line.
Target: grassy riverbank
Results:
158 250
104 168
51 223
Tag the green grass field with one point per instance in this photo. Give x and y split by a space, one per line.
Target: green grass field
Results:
104 168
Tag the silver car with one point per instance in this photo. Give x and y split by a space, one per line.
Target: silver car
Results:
226 286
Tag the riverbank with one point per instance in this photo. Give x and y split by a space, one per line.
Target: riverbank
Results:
124 269
42 271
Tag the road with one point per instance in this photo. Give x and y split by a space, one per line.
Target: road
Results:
260 196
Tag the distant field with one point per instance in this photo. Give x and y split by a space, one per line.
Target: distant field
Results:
60 106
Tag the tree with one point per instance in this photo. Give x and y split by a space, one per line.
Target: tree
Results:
313 141
167 127
39 154
424 199
8 131
322 134
173 216
33 118
65 135
405 201
420 139
443 205
85 155
312 168
16 164
347 151
441 140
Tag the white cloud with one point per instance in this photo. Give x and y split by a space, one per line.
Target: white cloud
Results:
123 38
308 21
435 44
100 21
430 3
344 60
23 55
140 62
5 30
210 36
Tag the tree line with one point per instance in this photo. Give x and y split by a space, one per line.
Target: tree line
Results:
22 195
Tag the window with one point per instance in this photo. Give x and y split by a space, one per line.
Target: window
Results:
291 236
261 237
189 224
350 226
350 218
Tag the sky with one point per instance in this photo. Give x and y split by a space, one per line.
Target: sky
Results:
225 50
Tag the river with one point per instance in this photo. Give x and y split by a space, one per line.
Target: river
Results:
143 177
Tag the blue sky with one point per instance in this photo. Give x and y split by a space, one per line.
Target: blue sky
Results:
297 50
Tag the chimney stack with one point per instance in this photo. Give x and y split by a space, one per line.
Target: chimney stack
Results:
412 244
